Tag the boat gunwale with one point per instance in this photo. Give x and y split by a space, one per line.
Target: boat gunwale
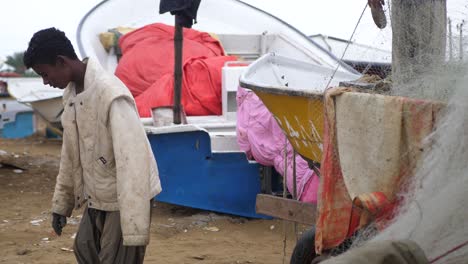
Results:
272 58
282 91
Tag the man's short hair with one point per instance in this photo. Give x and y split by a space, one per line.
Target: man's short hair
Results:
46 45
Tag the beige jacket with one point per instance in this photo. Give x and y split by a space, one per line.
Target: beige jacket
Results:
106 160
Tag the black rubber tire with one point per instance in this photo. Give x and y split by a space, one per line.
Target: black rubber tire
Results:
304 251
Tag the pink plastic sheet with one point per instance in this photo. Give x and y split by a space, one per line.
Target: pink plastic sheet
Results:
260 136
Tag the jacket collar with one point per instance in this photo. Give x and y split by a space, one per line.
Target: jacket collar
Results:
93 70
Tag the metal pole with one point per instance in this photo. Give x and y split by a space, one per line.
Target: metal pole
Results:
284 194
295 189
178 44
294 176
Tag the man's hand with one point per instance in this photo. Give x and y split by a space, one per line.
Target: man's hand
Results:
376 3
58 222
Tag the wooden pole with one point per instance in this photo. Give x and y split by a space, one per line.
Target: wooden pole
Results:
178 44
419 38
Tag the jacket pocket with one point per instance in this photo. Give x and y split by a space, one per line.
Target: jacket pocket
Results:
105 179
105 165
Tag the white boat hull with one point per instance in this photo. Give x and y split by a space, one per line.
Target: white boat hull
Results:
45 100
49 109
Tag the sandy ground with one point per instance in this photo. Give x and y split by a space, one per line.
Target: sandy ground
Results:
178 234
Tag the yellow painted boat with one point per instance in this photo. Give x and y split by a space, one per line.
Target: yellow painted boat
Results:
293 91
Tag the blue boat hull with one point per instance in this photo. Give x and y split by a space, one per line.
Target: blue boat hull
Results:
191 175
21 127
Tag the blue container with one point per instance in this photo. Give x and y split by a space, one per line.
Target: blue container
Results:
22 125
191 175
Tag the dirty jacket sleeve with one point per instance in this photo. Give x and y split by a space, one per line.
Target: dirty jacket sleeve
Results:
131 149
63 200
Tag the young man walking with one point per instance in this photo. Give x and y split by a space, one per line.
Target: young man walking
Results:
106 164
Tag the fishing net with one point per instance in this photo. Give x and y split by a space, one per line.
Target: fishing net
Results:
435 208
422 41
395 155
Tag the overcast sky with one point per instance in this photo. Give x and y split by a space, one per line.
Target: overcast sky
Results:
21 18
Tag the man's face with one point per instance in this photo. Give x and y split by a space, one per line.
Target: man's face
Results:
56 75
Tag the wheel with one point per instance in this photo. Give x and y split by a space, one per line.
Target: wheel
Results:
304 251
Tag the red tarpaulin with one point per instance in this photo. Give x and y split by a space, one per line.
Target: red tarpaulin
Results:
147 66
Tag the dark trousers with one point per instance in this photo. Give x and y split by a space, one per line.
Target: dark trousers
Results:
99 240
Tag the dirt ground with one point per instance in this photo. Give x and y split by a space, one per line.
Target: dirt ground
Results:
178 234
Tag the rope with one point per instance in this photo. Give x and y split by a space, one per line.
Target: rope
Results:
347 46
449 252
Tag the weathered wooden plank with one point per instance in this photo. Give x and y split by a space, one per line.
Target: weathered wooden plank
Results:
286 209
